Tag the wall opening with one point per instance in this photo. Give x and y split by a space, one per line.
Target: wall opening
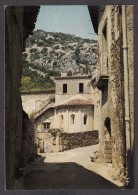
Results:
80 87
61 119
108 141
64 88
85 119
107 124
73 119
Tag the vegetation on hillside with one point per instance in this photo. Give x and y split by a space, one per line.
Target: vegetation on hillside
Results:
49 53
32 80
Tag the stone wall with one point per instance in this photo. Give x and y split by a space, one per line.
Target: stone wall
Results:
81 139
19 23
29 146
32 102
111 96
112 99
13 105
115 103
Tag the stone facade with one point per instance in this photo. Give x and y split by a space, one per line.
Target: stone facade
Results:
72 83
61 118
72 112
34 101
110 83
71 106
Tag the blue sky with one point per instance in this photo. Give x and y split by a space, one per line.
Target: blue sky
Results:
66 19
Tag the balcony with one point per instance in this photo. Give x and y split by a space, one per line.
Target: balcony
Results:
101 75
102 81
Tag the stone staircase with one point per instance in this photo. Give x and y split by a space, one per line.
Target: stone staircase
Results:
45 107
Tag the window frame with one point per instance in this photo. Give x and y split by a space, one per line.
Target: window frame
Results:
46 126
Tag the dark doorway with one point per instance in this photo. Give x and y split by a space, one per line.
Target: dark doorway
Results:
108 141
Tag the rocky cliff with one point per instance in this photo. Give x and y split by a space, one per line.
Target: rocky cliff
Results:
58 51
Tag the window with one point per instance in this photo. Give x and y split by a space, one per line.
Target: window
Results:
61 119
46 126
104 45
105 32
81 87
85 119
72 119
64 88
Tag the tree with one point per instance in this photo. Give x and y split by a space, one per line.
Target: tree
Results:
44 50
26 83
32 50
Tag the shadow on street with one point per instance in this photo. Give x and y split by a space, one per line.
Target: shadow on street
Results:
63 176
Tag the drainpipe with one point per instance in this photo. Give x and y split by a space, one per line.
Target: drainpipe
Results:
126 86
126 81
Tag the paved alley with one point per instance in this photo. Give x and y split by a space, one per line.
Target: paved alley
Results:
65 170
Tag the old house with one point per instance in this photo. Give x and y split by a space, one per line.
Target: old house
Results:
73 110
73 103
113 84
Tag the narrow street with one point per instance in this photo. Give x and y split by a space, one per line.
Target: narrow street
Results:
65 170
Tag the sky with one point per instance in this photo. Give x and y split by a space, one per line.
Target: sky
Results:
66 19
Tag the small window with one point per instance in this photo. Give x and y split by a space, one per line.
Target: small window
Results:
72 119
64 88
85 119
105 31
81 87
46 126
61 119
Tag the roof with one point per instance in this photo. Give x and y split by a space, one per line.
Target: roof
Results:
46 91
74 77
77 102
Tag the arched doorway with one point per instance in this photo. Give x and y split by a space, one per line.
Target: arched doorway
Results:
108 141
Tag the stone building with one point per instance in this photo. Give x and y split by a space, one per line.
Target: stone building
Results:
73 110
113 84
19 24
73 103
